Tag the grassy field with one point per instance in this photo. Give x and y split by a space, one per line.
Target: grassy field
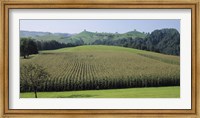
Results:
105 67
154 92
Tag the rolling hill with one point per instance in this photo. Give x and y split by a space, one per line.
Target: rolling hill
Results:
166 41
86 36
90 37
45 36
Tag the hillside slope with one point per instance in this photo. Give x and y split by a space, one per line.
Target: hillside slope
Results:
86 36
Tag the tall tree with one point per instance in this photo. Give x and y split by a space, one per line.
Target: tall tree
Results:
23 47
27 47
32 76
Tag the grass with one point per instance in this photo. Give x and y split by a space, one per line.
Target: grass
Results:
153 92
102 48
93 48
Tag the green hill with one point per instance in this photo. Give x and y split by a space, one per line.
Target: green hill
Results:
104 67
86 36
135 34
90 37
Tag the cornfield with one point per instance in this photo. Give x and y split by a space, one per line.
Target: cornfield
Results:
105 69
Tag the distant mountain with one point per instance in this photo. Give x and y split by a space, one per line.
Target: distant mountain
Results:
32 33
45 36
86 36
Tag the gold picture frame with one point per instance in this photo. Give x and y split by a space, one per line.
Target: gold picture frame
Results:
5 112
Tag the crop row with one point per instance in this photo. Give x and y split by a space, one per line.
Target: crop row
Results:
103 70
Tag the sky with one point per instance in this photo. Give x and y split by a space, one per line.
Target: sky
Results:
110 26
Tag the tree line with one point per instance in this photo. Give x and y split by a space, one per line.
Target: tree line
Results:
165 41
30 46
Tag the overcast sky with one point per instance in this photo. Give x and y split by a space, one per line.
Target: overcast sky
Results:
112 26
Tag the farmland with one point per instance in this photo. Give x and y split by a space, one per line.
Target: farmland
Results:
105 67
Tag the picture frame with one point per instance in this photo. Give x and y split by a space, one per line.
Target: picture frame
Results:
99 4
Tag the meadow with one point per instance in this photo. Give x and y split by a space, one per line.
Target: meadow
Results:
93 67
153 92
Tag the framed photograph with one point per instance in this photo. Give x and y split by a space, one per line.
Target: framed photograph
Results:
100 58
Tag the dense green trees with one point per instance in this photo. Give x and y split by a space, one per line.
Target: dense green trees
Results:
165 41
49 45
27 47
30 46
